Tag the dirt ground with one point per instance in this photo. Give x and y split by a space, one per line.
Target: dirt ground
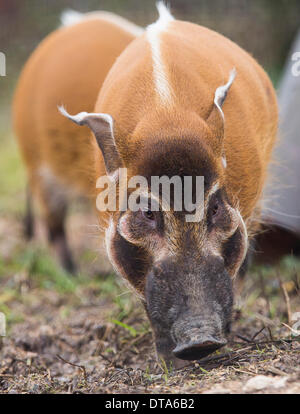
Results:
90 335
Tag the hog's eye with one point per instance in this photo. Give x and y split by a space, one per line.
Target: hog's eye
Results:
215 209
148 214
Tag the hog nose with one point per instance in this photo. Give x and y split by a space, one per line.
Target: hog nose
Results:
199 348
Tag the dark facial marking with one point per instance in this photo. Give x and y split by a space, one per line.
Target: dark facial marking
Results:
182 156
216 212
232 249
134 260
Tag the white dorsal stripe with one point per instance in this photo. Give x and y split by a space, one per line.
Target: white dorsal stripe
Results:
71 17
162 85
222 91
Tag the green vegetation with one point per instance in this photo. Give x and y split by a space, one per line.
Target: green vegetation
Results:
90 318
12 176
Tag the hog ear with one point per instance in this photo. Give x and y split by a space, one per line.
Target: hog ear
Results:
216 118
102 127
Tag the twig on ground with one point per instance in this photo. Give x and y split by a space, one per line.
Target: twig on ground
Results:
270 333
81 367
274 341
287 302
291 329
228 357
276 371
257 333
243 338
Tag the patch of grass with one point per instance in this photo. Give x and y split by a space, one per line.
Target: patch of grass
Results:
12 175
11 315
166 370
203 370
131 329
45 272
109 287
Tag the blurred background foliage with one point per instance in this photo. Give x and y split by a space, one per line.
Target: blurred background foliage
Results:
265 28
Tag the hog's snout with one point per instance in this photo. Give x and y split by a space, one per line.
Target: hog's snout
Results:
198 348
189 306
196 338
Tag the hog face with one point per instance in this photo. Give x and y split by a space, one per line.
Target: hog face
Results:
182 270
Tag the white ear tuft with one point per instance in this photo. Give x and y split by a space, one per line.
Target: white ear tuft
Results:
102 127
82 117
164 12
222 91
69 17
78 119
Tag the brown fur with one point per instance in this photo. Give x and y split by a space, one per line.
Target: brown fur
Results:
198 61
182 271
68 67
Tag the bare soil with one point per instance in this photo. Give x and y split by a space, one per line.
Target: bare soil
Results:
93 336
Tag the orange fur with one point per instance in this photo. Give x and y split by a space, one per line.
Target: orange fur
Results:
68 67
197 61
160 112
